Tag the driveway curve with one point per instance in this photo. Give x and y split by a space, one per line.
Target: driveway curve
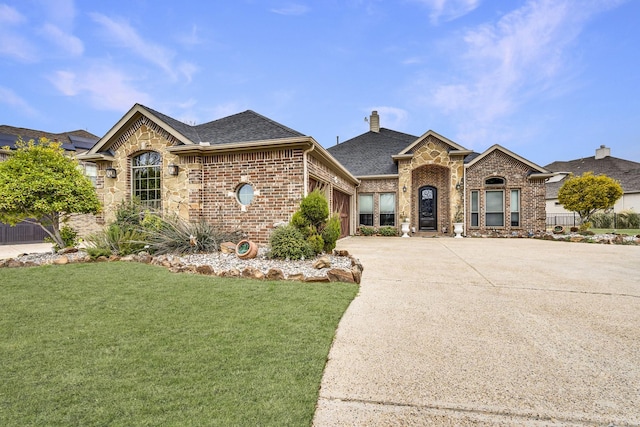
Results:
498 332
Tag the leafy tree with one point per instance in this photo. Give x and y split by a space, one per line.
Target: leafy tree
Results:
588 193
39 184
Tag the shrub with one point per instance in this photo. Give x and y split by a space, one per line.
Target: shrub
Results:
299 221
314 208
316 242
366 230
331 232
388 231
123 241
175 235
69 237
129 213
288 243
95 253
628 219
602 220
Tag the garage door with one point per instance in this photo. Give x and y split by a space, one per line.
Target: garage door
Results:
341 204
23 232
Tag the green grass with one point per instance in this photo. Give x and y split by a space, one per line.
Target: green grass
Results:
629 231
127 344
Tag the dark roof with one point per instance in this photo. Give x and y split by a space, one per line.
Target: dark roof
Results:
241 127
370 153
624 171
77 140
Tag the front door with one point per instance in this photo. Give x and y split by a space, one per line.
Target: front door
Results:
428 208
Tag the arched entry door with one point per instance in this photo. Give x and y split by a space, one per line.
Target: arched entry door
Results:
428 212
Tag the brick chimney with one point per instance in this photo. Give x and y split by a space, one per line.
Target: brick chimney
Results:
603 152
374 122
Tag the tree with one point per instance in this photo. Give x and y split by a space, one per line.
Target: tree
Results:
41 185
588 193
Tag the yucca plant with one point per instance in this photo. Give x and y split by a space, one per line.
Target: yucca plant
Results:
174 235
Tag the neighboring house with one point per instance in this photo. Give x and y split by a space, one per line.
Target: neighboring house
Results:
74 143
433 182
243 171
624 171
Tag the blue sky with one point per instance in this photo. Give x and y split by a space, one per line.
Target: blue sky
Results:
547 79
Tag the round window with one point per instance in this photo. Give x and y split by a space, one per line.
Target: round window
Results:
245 194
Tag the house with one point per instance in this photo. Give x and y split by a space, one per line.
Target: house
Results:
245 171
249 172
432 182
626 172
74 143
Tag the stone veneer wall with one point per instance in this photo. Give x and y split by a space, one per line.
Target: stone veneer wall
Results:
140 138
430 156
375 187
277 180
532 193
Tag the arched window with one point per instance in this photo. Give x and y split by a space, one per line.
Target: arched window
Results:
494 180
146 170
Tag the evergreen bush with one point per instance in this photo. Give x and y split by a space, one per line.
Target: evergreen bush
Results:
331 232
287 242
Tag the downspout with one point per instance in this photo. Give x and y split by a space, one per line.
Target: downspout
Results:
464 198
305 169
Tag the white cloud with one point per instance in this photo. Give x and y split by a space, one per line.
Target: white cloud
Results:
123 34
449 10
391 117
68 42
13 41
292 9
10 16
106 87
504 64
188 70
10 98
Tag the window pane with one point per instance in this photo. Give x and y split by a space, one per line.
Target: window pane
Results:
387 219
515 219
366 219
365 203
495 219
515 200
494 181
387 203
474 201
495 202
474 219
245 194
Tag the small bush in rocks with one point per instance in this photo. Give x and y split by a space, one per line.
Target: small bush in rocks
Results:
288 242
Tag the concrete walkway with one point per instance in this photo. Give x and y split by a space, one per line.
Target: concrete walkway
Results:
12 251
507 332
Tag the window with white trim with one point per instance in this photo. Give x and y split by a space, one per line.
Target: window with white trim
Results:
387 209
365 209
514 207
475 211
244 194
494 208
146 170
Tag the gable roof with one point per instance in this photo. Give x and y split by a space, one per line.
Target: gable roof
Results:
624 171
242 127
370 154
77 140
537 171
454 145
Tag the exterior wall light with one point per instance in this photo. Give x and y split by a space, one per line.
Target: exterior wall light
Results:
404 188
173 169
111 173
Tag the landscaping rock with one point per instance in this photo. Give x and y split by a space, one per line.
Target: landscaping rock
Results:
70 250
297 277
228 248
61 260
340 252
577 238
275 274
128 258
357 274
340 275
234 272
322 262
252 273
316 279
205 269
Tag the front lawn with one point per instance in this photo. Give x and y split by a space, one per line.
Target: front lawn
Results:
128 344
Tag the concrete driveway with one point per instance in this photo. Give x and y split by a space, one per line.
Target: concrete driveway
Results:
487 332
